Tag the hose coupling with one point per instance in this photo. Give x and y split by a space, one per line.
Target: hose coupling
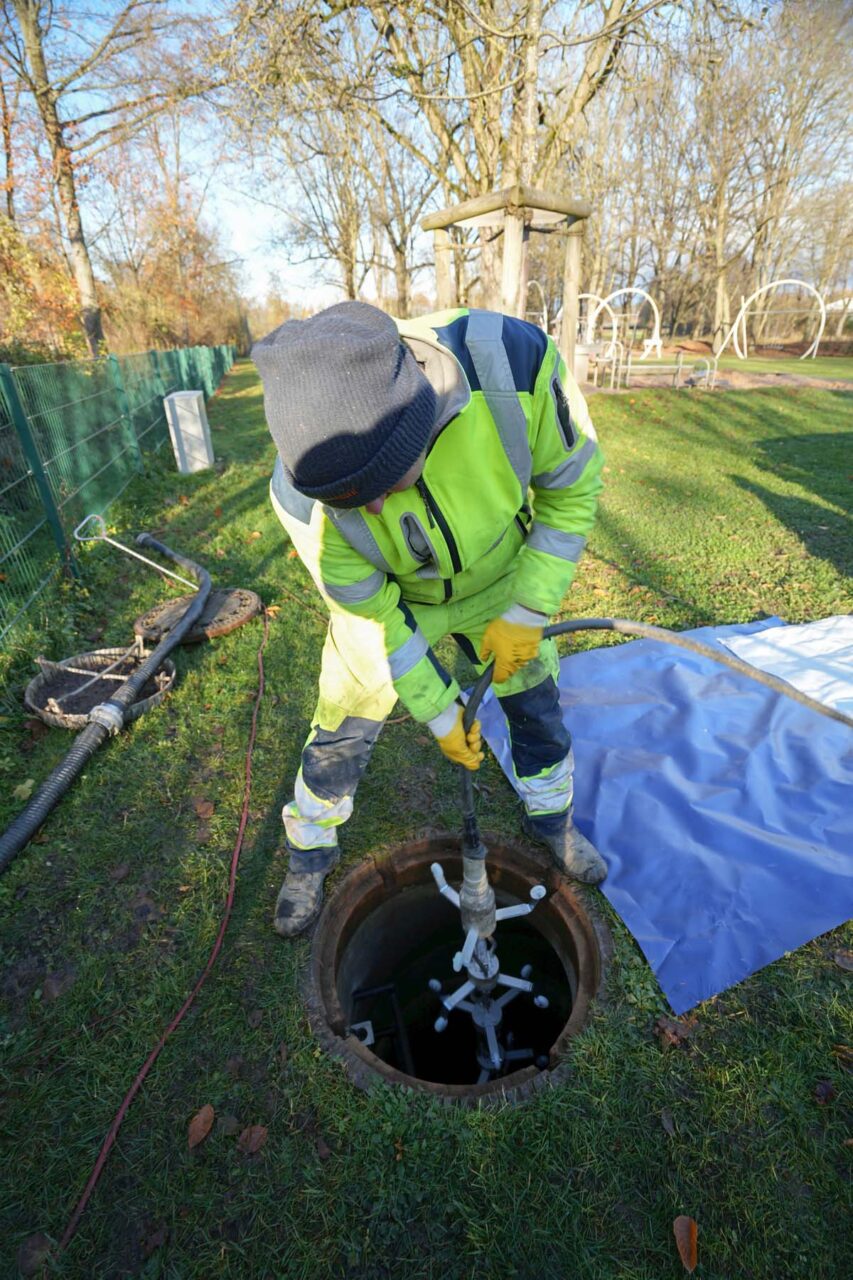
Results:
108 714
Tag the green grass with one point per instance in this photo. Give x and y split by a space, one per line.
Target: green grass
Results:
835 367
718 509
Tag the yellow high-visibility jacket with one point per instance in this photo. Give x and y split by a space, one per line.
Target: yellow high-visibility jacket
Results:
509 487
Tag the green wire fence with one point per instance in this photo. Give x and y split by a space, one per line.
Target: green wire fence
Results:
72 437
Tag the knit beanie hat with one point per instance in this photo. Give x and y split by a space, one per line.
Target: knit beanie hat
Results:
346 404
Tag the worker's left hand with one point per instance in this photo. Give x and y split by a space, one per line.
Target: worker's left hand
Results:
514 639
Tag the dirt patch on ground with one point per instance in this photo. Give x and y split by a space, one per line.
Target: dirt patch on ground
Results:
734 380
726 380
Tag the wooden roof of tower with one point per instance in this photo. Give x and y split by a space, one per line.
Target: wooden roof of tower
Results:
545 207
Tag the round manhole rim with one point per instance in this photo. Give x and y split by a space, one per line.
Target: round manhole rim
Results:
392 870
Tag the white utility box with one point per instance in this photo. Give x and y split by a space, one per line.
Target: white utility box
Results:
581 369
188 428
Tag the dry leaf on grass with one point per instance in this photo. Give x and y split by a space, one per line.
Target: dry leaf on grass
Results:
24 789
844 960
824 1092
121 872
200 1126
254 535
255 1018
33 1254
155 1240
273 610
844 1056
322 1146
56 984
686 1238
674 1031
203 808
252 1139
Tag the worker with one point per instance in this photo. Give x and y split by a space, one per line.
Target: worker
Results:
437 477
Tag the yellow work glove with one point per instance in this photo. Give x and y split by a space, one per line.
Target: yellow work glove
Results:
463 749
513 639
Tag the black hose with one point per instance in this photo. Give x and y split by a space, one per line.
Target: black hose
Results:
471 836
51 791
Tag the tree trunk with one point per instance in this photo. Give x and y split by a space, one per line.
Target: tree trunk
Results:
63 174
9 166
401 280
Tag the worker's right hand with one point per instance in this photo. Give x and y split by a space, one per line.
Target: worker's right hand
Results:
461 748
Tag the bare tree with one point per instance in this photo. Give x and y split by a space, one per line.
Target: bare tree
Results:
93 84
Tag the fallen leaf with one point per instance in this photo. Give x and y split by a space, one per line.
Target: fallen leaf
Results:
674 1031
255 1018
667 1121
145 908
203 808
398 1148
844 1056
23 791
200 1126
121 872
252 1139
323 1148
273 610
220 553
33 1253
234 1065
293 554
824 1092
184 500
686 1232
56 984
154 1241
844 960
254 535
36 730
282 1053
217 511
229 1125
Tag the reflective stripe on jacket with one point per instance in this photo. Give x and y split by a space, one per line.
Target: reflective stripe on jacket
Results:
508 490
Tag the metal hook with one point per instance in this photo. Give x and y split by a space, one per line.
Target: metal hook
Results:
102 536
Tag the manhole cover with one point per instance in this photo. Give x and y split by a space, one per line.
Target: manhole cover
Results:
226 609
381 961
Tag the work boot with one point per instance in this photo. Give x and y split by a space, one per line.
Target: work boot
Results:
571 851
299 901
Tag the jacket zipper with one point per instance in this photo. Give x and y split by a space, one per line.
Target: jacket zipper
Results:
433 509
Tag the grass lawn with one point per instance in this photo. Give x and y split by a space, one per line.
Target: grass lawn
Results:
719 508
840 367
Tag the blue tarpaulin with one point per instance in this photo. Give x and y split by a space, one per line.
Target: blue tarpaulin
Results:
724 810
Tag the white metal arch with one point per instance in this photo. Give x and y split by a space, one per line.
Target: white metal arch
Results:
739 325
649 344
591 317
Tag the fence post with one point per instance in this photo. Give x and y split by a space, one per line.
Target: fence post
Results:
18 414
124 409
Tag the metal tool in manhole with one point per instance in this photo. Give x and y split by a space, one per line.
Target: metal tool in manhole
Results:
393 993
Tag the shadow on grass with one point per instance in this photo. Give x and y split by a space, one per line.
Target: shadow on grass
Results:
820 464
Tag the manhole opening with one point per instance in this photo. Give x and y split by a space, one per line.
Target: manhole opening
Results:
386 933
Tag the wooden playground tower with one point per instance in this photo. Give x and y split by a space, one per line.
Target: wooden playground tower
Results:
516 211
